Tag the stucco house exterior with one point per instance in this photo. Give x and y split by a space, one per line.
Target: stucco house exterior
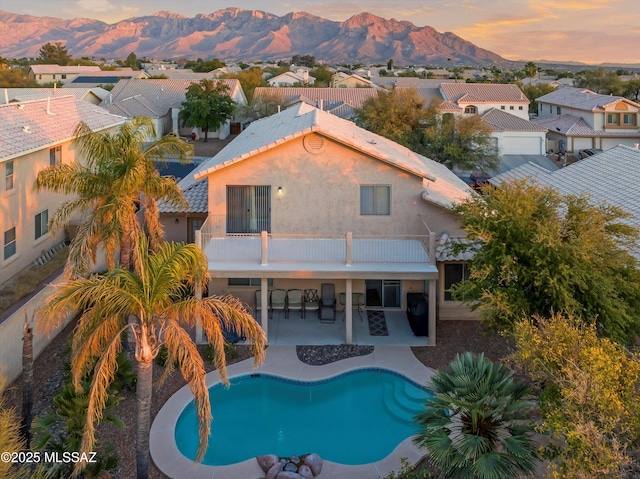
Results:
161 100
34 135
55 73
288 79
578 118
304 197
344 80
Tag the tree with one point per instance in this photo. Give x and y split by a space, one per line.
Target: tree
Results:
531 70
461 142
207 105
589 402
54 54
535 91
632 89
132 61
304 60
118 178
154 299
395 114
600 81
478 424
390 65
205 66
16 78
322 75
541 252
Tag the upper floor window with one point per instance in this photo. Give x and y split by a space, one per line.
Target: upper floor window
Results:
55 155
558 110
630 119
375 200
42 224
9 243
8 175
511 107
520 107
64 77
471 110
248 209
613 118
503 107
550 108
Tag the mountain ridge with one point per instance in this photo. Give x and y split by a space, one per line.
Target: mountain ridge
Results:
236 34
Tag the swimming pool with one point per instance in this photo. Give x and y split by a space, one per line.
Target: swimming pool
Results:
357 417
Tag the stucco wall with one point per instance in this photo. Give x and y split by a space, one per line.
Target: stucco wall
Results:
321 192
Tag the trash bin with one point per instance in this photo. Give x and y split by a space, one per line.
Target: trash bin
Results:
417 313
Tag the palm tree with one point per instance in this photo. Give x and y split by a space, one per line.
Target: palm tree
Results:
118 179
530 69
154 296
476 426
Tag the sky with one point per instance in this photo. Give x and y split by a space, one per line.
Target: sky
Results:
589 31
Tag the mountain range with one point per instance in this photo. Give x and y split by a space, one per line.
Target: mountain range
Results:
243 35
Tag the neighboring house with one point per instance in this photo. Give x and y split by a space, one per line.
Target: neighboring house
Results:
578 118
478 98
343 80
34 135
92 95
303 197
341 102
610 177
288 79
106 77
56 73
161 100
515 136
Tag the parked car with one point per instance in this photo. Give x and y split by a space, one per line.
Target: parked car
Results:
587 152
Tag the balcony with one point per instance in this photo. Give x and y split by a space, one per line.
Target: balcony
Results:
317 256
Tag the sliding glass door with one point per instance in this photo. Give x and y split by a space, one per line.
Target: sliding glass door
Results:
384 293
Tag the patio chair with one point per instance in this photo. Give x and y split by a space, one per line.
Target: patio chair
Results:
311 301
327 303
278 300
294 301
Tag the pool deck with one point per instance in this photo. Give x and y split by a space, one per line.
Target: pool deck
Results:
283 361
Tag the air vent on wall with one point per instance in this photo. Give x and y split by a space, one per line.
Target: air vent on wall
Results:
313 143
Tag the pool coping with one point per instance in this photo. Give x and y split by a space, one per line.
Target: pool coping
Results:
283 361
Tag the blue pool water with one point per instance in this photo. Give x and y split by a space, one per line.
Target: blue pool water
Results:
355 418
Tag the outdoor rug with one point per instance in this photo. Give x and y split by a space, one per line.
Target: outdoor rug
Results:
377 323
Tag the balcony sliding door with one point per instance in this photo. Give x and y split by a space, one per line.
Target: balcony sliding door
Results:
248 209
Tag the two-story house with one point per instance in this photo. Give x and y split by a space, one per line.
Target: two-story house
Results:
578 118
34 135
304 197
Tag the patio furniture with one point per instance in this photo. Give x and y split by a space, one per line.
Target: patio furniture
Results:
357 303
327 303
278 300
294 301
417 313
311 301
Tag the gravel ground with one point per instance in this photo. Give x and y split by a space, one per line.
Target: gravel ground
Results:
454 337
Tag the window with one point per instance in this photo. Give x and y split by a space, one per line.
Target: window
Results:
9 243
454 273
375 200
613 119
550 108
520 107
558 110
248 209
629 119
64 77
511 107
8 175
42 223
54 77
248 282
385 293
471 110
503 107
55 156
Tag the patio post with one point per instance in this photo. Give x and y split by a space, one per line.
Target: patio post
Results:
348 313
198 293
432 312
265 247
349 248
264 301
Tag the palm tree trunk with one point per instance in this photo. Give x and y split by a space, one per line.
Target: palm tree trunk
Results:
27 385
125 251
143 426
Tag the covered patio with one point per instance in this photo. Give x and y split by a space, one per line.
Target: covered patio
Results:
341 260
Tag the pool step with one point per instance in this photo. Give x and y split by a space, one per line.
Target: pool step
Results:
399 405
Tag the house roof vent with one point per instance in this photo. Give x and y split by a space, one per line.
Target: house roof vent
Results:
314 144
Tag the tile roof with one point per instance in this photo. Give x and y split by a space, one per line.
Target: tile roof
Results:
197 194
442 187
483 93
446 244
26 126
352 96
500 120
164 94
612 176
428 94
581 99
575 126
49 69
27 94
133 107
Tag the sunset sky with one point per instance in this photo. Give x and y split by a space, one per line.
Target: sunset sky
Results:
590 31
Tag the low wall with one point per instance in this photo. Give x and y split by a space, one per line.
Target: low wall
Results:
12 330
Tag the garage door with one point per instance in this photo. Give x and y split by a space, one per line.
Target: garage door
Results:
521 146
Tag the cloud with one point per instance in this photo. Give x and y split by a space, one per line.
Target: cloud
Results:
97 6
